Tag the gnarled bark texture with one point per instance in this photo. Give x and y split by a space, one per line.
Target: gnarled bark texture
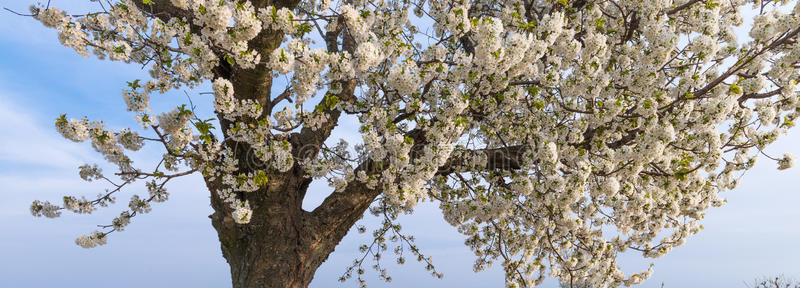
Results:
283 245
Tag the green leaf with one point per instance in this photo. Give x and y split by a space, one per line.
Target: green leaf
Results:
61 120
230 60
331 100
261 178
735 89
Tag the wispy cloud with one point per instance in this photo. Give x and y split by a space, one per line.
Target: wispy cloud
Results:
28 141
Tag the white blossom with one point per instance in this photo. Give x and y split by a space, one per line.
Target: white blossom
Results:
786 162
74 129
45 209
242 213
281 61
95 239
89 173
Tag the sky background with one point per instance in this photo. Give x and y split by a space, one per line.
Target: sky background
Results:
754 235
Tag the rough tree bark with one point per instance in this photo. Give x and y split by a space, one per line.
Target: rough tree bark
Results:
283 245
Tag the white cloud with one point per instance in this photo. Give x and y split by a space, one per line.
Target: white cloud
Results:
29 141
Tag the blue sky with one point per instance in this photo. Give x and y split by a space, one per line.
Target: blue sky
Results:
754 235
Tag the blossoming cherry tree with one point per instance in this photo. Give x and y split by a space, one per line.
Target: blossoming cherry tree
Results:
554 134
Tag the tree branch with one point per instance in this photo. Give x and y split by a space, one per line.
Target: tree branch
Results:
681 7
507 158
310 140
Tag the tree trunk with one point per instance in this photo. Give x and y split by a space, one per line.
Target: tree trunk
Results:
270 253
283 245
271 250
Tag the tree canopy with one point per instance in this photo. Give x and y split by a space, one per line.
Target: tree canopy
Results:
554 134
